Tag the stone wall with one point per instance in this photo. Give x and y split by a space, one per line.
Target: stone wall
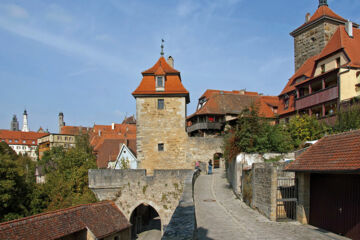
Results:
202 148
183 222
312 41
130 188
161 126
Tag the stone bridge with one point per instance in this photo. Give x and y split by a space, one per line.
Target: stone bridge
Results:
130 189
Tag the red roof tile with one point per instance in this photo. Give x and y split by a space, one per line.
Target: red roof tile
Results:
102 219
173 85
74 130
321 12
233 102
340 152
30 138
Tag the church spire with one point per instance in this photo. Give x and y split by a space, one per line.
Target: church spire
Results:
323 3
25 127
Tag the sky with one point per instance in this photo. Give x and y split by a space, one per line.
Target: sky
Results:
84 58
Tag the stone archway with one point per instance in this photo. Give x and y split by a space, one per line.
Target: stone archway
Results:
146 221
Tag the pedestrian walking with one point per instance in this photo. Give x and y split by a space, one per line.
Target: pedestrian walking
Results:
210 167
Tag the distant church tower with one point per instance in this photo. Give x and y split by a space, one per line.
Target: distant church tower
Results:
25 127
14 126
311 37
161 101
61 121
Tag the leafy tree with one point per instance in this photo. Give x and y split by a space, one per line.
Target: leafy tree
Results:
348 119
16 181
66 177
306 128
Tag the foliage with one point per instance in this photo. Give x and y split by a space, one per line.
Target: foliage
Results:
348 119
254 134
306 128
66 177
124 163
16 181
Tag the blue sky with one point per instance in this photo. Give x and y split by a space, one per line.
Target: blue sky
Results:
85 57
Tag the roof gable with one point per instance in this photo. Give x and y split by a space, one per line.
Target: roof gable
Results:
173 84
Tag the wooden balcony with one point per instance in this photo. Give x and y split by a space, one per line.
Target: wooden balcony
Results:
205 126
319 97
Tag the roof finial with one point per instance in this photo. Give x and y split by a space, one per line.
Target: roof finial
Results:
162 47
323 3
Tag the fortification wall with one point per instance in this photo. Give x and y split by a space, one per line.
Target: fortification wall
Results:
130 188
203 148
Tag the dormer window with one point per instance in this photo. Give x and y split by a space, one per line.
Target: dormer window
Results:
160 83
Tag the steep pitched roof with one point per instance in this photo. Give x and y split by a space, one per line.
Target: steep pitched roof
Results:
339 41
173 85
338 152
220 102
102 219
321 13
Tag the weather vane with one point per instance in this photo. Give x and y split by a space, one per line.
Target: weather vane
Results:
162 47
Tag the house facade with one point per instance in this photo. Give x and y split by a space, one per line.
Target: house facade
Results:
51 140
125 158
327 66
218 110
24 143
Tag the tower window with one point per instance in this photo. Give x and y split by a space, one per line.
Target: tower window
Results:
160 104
160 147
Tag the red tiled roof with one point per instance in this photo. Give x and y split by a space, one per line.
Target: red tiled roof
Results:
340 41
233 102
74 130
340 152
102 219
173 85
28 137
321 12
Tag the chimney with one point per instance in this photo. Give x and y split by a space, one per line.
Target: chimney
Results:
349 28
170 61
242 91
113 126
99 133
307 17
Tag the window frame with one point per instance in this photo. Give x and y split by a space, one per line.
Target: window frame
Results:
161 147
161 106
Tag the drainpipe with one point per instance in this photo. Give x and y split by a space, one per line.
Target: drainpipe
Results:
339 87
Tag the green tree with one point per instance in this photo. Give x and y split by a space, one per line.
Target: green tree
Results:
16 181
66 177
348 119
306 128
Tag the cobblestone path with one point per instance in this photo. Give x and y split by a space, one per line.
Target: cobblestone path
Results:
220 215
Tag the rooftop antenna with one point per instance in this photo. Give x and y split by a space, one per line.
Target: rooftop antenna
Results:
162 47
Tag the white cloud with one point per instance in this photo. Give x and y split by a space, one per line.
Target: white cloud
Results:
67 45
14 11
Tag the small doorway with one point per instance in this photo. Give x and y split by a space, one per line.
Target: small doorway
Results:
217 157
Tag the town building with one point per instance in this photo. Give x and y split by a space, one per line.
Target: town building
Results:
102 220
125 159
218 110
51 140
328 182
14 125
327 64
107 141
161 101
24 143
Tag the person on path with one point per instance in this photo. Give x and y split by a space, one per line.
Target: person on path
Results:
210 167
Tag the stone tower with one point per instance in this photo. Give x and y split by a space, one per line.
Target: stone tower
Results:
14 126
25 127
61 121
311 37
161 101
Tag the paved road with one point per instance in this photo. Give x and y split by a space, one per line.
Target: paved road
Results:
220 215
